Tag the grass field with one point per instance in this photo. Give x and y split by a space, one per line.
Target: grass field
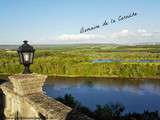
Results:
76 60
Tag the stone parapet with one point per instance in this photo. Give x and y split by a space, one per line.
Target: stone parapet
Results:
24 84
49 107
24 95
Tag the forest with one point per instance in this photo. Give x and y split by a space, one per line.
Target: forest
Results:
77 60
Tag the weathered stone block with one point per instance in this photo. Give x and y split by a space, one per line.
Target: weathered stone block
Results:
24 84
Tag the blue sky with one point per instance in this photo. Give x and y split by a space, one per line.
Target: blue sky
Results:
59 21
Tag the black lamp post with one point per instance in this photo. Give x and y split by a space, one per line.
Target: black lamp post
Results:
26 55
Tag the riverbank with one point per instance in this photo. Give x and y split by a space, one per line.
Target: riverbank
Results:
5 76
105 77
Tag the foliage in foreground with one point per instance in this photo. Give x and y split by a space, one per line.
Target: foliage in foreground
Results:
108 111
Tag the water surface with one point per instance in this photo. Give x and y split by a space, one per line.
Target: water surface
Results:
136 95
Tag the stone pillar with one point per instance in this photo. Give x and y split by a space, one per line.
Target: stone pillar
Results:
24 84
8 106
20 86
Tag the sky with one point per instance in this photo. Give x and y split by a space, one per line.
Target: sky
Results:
60 21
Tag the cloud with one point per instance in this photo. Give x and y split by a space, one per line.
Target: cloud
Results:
79 37
144 33
141 31
122 33
123 36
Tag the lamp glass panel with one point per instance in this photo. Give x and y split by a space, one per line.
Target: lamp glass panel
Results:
21 57
26 56
31 57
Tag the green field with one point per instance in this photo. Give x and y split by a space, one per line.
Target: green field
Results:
76 60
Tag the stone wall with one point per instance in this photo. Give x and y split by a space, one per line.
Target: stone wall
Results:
24 98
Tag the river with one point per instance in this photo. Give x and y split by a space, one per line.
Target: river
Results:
136 95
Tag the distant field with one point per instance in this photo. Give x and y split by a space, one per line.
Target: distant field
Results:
76 60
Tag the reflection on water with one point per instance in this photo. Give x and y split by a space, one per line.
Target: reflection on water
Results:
136 95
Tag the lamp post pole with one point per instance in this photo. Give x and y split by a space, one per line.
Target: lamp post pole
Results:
26 69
